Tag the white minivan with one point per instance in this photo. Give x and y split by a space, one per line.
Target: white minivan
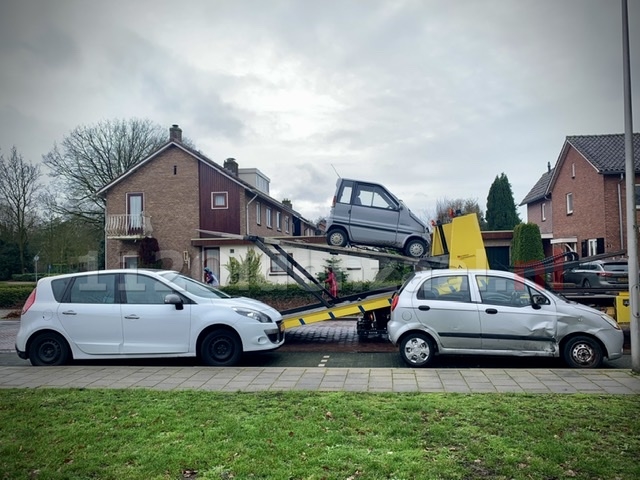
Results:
365 213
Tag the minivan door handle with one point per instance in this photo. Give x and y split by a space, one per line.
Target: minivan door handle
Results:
69 312
424 307
491 311
132 317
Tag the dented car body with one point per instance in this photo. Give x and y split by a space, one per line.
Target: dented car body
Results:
490 312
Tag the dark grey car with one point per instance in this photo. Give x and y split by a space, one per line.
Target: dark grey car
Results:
599 273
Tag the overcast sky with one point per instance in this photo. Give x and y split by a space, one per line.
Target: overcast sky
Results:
433 99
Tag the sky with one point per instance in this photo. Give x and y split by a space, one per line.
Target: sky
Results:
432 98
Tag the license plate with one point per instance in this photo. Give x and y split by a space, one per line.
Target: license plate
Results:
623 280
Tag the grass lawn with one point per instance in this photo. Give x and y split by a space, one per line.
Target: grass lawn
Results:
142 434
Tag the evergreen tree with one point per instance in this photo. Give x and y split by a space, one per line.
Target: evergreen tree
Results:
526 246
501 208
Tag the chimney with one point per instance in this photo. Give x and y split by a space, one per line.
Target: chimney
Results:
175 133
549 167
231 165
287 203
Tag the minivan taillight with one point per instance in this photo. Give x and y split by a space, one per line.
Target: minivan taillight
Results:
394 302
30 301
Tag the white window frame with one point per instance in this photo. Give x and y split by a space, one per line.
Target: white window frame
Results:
592 247
569 198
278 221
286 224
573 170
543 211
268 215
258 213
125 258
219 195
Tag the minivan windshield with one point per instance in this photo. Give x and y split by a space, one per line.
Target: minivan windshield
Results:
193 286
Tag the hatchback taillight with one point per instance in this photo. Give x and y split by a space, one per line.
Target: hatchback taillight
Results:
30 301
333 202
394 302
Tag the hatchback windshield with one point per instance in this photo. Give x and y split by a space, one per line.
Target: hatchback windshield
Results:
193 286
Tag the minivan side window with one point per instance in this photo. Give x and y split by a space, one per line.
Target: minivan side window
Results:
59 286
93 289
143 290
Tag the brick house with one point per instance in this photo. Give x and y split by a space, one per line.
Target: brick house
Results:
177 191
579 204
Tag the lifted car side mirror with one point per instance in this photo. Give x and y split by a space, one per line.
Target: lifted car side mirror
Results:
174 299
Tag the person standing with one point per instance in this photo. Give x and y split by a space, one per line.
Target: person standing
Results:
210 277
332 282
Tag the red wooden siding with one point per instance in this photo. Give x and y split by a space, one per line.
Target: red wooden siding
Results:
221 219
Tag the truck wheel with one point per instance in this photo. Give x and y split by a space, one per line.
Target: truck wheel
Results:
417 349
337 238
583 352
415 248
48 349
221 348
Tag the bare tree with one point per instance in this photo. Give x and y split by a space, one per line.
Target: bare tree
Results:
91 157
446 208
19 183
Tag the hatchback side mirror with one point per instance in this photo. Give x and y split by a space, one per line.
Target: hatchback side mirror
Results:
174 299
537 300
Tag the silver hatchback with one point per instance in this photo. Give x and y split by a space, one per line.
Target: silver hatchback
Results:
487 312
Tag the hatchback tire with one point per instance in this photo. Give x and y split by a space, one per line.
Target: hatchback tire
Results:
49 349
415 248
417 349
583 352
337 238
221 348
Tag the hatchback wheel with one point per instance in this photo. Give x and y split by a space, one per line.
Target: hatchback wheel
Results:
415 248
337 238
417 349
583 352
49 349
221 348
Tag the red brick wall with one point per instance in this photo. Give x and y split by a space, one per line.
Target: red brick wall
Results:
171 200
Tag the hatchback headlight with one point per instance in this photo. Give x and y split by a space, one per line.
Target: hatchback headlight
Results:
610 321
253 314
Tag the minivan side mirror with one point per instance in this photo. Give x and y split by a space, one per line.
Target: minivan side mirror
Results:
174 299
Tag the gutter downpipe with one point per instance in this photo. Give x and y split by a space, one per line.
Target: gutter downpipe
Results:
620 213
630 173
249 203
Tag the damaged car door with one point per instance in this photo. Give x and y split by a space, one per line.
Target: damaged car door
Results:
515 317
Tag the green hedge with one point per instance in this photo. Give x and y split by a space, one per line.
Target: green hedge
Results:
14 296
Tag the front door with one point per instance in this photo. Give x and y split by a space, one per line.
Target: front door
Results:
150 325
508 319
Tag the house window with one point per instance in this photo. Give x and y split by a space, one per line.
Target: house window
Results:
573 170
286 224
592 247
268 214
569 203
135 208
637 191
130 261
276 269
543 211
219 200
258 213
278 221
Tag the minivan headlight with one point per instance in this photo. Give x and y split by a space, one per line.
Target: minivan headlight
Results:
610 321
253 314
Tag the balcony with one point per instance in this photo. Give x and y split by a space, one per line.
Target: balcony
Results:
128 226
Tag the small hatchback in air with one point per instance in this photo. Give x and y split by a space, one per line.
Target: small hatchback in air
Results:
365 213
127 314
487 312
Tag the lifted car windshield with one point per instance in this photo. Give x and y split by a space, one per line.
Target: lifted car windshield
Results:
193 286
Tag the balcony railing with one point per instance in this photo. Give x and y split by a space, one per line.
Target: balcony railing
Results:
128 226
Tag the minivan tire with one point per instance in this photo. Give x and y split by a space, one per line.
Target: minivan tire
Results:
415 248
221 348
337 238
583 352
49 349
417 349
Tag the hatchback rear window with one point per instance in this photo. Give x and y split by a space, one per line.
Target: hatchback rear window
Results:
58 287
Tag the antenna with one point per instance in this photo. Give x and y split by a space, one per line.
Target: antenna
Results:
334 169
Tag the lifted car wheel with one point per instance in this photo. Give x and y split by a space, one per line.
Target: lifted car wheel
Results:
49 349
417 349
337 238
415 248
221 348
583 352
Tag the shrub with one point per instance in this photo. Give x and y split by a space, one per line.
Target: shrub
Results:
14 296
